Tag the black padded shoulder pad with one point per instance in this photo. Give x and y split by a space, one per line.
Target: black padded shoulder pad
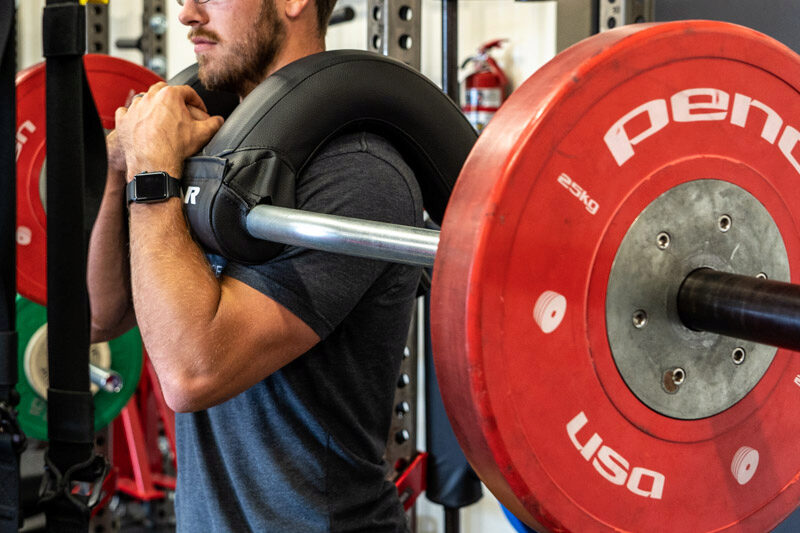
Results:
217 102
271 136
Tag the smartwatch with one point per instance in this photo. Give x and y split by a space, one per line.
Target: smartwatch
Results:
151 187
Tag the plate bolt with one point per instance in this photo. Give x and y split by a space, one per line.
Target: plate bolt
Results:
673 379
662 240
724 223
639 318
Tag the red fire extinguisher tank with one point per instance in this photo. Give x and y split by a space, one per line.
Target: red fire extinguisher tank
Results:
485 87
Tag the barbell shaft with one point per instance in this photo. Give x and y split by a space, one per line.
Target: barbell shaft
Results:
733 305
744 307
349 236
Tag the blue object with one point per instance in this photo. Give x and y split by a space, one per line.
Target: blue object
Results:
515 522
790 525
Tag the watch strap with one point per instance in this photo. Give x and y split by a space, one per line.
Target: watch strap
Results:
173 187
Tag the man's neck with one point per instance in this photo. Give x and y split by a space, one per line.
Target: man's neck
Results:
291 52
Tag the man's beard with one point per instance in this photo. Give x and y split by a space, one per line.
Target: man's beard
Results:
247 60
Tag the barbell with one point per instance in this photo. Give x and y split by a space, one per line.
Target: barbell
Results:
619 244
616 249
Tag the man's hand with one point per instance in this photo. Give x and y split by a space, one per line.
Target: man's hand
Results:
116 157
162 128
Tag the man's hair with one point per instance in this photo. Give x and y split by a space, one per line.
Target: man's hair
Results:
324 10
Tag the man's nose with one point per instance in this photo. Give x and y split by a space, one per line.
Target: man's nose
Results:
192 13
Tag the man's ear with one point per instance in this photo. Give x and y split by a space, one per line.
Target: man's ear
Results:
294 8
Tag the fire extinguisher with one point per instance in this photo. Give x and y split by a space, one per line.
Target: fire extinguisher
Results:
485 86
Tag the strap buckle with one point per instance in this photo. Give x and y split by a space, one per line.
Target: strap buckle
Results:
9 425
81 485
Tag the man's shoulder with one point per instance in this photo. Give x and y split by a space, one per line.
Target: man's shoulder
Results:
362 175
360 143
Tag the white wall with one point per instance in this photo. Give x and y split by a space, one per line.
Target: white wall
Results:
29 32
125 21
179 50
529 26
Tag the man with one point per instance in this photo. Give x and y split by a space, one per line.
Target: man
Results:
283 374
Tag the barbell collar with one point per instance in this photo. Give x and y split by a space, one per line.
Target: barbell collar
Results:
349 236
743 307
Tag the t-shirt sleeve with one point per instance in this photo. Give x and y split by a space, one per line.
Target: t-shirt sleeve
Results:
360 177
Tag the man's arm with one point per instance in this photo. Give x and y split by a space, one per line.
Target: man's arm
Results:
208 339
108 268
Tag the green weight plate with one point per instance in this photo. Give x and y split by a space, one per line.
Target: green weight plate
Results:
125 353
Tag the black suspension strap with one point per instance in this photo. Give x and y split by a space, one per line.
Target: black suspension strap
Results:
12 441
451 481
76 156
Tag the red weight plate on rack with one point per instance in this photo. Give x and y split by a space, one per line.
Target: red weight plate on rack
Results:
528 242
113 81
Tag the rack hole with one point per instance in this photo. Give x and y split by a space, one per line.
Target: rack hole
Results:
406 42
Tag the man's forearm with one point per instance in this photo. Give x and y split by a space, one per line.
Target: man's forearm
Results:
108 268
200 332
175 293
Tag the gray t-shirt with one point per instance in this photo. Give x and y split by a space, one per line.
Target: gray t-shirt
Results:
302 450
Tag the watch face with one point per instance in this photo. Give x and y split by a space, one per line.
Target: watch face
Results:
151 187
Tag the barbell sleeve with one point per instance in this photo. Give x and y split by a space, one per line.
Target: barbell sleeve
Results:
744 307
343 235
108 380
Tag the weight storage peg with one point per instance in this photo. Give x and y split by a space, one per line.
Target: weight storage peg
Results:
117 368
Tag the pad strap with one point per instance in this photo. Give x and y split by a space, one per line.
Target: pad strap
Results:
11 438
75 159
7 167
